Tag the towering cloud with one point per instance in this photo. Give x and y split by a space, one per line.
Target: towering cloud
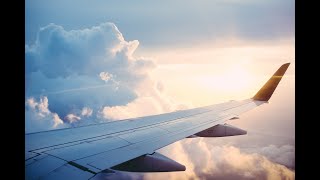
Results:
88 76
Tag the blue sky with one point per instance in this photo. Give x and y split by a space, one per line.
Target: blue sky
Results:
156 57
158 23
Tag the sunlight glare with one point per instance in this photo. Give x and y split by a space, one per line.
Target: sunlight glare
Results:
237 78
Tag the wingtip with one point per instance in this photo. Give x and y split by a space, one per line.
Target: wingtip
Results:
286 64
265 93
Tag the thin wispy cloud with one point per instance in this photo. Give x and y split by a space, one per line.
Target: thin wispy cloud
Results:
75 89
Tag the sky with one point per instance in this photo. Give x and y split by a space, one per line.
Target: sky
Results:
100 61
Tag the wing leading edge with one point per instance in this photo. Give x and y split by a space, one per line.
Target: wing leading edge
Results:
130 145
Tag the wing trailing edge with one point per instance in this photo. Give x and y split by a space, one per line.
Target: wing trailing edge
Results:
267 90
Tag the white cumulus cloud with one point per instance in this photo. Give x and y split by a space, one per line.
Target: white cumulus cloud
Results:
105 76
38 117
72 118
86 111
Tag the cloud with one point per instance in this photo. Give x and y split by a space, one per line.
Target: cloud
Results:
138 107
208 161
86 111
72 118
149 102
39 117
105 76
91 75
284 154
58 52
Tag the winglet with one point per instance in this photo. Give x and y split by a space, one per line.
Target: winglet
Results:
267 90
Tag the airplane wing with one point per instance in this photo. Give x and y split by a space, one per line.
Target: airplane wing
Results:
130 145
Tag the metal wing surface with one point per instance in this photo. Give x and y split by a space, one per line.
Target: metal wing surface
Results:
130 144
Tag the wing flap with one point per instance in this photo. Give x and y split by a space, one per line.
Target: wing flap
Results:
68 171
42 167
